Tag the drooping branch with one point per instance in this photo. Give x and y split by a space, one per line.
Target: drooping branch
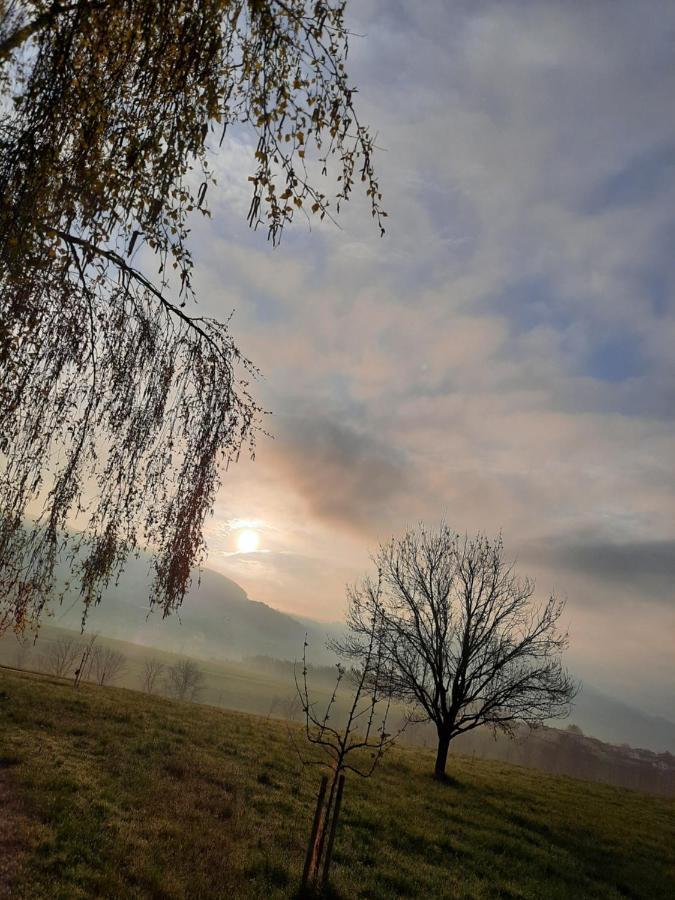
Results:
23 33
119 405
192 322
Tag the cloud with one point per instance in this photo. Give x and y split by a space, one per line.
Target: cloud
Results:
503 357
347 475
638 180
644 569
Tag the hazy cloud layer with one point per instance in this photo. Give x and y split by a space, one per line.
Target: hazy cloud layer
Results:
347 475
646 568
504 357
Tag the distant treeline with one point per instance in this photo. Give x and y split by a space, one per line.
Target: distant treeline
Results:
286 668
569 752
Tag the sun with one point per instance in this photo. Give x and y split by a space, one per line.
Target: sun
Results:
247 541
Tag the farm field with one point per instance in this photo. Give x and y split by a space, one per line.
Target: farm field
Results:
108 792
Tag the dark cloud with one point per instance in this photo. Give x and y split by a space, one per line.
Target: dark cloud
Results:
647 567
347 474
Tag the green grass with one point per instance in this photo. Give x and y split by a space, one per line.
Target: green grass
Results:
228 683
133 796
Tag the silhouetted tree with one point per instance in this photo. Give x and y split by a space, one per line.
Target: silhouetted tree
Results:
185 680
106 664
61 655
291 708
461 635
153 671
114 398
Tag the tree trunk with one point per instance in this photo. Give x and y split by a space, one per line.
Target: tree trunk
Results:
441 756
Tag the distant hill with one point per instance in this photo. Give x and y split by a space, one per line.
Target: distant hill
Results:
619 723
219 621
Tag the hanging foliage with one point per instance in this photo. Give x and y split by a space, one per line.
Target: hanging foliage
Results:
118 402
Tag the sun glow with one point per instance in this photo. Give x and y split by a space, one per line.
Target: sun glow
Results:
247 541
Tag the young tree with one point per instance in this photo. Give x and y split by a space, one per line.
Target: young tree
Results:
464 640
185 680
153 671
114 396
357 746
61 655
106 664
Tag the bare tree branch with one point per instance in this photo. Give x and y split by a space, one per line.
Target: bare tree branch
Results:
185 680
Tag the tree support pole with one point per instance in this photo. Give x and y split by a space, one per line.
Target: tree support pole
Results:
331 833
311 846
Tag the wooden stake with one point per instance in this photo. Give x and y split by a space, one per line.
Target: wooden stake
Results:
331 833
311 846
321 839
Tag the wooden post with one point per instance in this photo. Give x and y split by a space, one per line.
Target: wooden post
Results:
321 839
331 833
311 846
80 669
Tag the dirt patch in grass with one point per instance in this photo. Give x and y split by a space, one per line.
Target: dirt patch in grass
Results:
14 828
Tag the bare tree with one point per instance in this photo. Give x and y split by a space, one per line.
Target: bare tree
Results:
291 707
185 680
153 670
357 746
60 656
106 664
464 640
22 652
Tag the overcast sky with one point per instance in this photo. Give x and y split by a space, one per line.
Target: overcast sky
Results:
504 357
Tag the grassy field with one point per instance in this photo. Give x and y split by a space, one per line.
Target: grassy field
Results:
231 684
115 794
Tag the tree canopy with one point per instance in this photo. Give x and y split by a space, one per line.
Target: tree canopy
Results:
118 402
461 635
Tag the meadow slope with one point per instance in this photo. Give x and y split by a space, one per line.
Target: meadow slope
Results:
110 793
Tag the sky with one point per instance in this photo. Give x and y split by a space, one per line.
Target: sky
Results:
503 358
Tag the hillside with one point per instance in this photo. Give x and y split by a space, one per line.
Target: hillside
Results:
265 686
218 621
115 794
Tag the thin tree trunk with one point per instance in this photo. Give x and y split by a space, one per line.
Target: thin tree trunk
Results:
321 840
441 756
